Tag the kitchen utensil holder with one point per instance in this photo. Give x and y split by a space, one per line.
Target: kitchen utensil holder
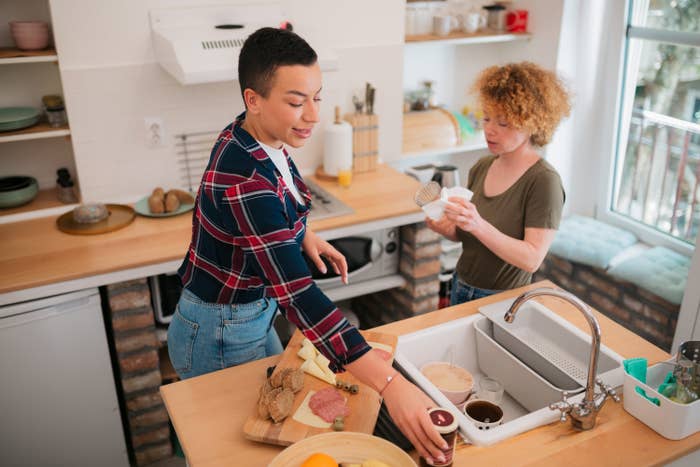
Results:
669 419
365 141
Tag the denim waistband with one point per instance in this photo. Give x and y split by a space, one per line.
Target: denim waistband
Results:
192 297
492 291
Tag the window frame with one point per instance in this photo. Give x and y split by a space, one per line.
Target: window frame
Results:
623 56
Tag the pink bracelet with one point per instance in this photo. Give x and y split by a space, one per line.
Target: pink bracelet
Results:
389 379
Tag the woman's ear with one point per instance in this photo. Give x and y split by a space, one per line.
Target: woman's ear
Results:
251 99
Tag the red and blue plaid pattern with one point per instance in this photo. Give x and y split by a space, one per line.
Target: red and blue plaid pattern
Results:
247 230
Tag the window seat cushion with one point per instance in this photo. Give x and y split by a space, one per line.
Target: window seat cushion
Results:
659 270
588 241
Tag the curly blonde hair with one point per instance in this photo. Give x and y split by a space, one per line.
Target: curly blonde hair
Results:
527 96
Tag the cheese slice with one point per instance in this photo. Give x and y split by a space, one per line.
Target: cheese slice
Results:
307 352
324 364
310 367
306 342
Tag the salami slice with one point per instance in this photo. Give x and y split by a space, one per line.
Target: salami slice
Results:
328 403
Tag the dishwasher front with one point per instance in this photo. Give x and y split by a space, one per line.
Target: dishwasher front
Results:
58 402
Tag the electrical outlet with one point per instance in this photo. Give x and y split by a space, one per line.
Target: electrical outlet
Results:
155 132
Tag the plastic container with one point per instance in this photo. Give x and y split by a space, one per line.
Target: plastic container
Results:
669 419
512 373
552 346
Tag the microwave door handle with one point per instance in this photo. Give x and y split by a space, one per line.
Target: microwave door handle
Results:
375 251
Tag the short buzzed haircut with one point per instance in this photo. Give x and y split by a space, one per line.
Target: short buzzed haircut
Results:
264 51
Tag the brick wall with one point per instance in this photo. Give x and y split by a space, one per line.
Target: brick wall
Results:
420 265
136 347
642 312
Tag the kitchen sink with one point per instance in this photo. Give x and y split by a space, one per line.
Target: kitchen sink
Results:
471 343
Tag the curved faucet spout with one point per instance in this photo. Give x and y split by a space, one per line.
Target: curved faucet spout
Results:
583 416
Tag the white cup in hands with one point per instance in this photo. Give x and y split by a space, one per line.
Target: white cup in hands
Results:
435 209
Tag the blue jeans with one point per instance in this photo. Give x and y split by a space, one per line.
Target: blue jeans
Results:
461 292
205 337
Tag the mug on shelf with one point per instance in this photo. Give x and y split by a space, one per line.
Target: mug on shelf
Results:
443 24
516 21
473 21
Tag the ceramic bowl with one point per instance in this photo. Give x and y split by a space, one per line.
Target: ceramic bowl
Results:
28 25
30 35
31 40
18 191
453 381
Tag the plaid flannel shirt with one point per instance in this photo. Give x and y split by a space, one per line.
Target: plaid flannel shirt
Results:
247 230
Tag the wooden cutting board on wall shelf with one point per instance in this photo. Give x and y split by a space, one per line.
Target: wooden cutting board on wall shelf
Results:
429 129
364 406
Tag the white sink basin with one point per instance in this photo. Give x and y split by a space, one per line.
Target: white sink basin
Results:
470 340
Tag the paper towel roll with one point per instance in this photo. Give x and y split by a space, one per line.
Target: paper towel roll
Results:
337 147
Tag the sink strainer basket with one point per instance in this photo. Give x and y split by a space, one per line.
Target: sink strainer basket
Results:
551 346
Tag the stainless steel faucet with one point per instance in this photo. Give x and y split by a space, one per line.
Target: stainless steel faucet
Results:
583 414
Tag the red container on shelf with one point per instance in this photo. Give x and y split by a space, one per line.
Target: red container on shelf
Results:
516 21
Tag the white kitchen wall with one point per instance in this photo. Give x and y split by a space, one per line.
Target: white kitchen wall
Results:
111 82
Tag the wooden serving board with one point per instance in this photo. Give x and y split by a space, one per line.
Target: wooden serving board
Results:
364 406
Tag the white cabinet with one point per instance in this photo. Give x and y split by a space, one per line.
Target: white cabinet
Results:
57 394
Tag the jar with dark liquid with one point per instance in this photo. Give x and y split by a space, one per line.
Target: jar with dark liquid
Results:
446 424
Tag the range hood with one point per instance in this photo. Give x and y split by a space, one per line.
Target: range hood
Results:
201 44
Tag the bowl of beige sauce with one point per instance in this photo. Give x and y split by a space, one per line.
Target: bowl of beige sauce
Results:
453 381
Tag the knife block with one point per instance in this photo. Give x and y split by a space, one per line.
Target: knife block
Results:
365 141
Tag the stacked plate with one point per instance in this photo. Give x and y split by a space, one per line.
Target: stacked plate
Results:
15 118
30 35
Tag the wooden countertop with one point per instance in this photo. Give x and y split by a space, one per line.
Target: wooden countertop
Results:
209 411
35 253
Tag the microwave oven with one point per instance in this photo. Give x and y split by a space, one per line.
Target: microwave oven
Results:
369 256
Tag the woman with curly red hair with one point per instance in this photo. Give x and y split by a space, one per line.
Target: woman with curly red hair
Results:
510 222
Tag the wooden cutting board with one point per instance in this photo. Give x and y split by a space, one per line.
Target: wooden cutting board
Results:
364 406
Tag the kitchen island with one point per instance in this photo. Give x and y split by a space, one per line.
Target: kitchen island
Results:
209 411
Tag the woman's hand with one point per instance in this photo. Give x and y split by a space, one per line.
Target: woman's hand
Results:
443 226
463 214
408 407
315 247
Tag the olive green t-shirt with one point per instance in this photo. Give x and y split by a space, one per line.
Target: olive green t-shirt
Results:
534 200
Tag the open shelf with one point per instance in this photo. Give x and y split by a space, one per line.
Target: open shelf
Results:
38 131
9 55
466 38
475 143
45 203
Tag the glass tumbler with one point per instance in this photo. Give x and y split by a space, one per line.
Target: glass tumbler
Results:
490 390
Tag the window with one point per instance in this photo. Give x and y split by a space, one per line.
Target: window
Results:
657 163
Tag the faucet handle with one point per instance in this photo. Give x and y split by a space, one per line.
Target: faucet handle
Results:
564 406
607 390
